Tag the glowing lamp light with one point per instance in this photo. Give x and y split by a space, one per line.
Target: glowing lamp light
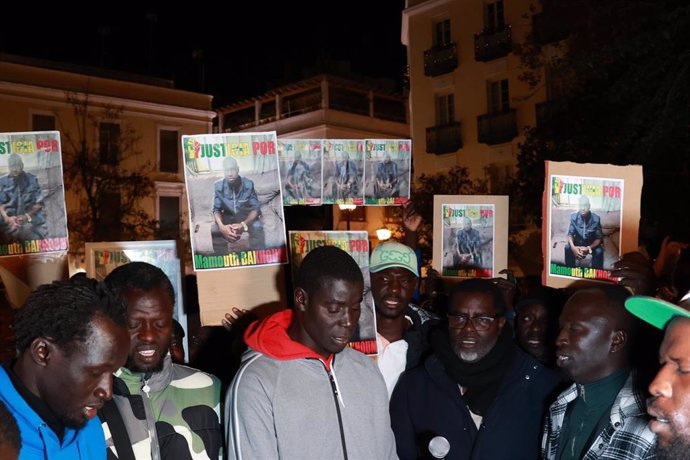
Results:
347 207
383 233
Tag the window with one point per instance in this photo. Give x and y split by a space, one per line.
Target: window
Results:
442 32
445 109
111 215
493 17
556 84
109 143
169 217
42 122
498 96
168 150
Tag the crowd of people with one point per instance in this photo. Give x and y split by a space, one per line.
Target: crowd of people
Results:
481 369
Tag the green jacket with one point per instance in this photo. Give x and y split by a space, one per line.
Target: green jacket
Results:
175 414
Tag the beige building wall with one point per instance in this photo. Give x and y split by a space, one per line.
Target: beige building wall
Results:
147 105
468 82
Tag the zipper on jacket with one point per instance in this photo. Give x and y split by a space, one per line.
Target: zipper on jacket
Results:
334 387
150 422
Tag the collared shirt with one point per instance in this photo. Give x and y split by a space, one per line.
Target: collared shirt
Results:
35 403
237 200
468 241
387 171
585 413
626 436
298 172
391 360
20 194
584 232
346 171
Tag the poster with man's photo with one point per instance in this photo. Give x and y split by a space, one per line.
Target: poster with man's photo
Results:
33 219
235 200
355 243
343 171
584 220
470 235
387 171
468 240
300 171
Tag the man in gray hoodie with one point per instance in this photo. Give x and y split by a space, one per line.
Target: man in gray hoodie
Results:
301 392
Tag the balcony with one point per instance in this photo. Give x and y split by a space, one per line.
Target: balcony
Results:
443 138
440 59
497 128
492 44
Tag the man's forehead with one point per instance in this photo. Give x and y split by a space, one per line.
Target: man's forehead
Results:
481 299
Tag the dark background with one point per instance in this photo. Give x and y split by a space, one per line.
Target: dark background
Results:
233 51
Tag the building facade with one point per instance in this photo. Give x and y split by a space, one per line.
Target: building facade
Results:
38 95
469 105
327 107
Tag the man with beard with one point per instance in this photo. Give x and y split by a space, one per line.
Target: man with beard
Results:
160 410
301 392
236 210
478 389
402 328
669 405
71 337
602 414
22 213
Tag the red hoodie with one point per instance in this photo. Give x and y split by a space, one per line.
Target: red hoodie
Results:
270 337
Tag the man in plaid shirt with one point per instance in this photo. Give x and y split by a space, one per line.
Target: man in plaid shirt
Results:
601 415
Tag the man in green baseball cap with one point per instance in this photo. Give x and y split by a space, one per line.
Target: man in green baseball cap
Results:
402 328
669 405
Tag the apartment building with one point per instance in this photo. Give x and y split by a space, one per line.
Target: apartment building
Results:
468 104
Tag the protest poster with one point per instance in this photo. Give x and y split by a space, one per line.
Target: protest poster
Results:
387 167
355 243
300 171
591 216
470 235
33 219
235 200
343 171
104 257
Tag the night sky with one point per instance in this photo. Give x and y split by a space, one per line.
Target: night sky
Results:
244 51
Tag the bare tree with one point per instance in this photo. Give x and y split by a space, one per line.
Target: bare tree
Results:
105 188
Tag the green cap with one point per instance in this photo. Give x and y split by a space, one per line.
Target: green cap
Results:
391 254
655 311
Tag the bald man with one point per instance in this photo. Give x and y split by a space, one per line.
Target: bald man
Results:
236 210
584 236
602 415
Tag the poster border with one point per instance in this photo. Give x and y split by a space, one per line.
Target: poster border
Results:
632 178
500 203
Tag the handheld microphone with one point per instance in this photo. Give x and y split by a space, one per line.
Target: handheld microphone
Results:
439 447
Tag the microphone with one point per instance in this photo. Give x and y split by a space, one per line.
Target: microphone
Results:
439 447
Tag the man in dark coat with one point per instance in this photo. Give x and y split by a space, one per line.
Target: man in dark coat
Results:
478 389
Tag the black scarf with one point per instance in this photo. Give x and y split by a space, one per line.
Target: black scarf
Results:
481 379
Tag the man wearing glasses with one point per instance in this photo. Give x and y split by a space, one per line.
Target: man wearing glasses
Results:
478 389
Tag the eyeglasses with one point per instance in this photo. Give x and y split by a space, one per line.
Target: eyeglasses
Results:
480 323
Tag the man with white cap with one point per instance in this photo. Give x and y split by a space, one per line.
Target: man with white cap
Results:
669 405
402 328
